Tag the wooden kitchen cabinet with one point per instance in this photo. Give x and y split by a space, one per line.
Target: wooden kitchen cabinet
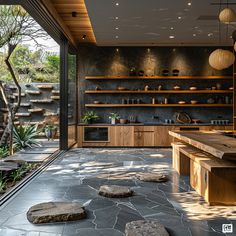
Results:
162 137
144 136
124 136
139 136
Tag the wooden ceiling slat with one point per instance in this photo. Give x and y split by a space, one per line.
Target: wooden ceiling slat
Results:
79 25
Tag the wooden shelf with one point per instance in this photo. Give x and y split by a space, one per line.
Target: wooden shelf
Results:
155 77
158 105
156 91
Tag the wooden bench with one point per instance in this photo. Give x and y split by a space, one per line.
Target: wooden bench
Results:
211 177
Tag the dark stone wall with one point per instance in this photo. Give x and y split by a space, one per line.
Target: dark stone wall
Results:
153 60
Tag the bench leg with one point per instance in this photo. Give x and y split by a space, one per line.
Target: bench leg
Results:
180 162
216 188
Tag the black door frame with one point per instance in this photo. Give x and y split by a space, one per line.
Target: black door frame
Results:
40 13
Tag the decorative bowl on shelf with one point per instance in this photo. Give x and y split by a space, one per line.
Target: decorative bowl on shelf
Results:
231 88
181 102
176 87
120 88
123 121
193 88
175 72
165 72
97 102
196 121
194 101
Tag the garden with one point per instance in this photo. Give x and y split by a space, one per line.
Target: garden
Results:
29 93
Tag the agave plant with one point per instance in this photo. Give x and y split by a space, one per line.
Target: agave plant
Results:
4 151
24 136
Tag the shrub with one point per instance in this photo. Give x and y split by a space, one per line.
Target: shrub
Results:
24 136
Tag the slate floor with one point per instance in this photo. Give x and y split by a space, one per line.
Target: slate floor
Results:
78 175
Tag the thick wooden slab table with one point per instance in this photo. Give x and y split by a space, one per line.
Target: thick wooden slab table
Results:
216 144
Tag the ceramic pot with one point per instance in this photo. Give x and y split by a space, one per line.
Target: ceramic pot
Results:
50 133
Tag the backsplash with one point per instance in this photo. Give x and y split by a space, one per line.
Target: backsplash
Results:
191 61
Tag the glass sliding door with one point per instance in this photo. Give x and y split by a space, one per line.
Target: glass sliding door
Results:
72 99
68 93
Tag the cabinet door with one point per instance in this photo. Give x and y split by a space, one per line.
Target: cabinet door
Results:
124 136
128 136
162 137
144 136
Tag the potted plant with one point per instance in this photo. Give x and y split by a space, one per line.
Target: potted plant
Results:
113 117
50 131
89 117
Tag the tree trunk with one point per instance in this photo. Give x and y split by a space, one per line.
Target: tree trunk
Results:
12 109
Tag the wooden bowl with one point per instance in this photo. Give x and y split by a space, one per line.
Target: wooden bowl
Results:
120 88
97 102
176 87
193 88
123 121
194 101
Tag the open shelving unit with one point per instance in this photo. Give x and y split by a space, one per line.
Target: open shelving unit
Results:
159 105
166 91
157 77
155 91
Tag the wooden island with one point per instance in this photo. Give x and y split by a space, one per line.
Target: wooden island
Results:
209 158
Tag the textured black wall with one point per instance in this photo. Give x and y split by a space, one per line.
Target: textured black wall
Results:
119 61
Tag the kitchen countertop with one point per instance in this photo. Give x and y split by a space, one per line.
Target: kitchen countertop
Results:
151 124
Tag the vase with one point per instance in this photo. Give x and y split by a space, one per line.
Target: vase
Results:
50 133
113 121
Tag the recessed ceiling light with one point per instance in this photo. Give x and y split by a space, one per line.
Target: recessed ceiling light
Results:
171 28
171 36
117 4
179 17
189 3
117 28
116 17
117 36
194 35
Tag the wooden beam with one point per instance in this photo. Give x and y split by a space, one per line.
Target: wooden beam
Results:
66 31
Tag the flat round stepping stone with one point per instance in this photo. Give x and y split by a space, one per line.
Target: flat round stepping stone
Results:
115 191
149 177
145 228
49 212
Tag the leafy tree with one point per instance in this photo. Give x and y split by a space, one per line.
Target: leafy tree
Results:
16 26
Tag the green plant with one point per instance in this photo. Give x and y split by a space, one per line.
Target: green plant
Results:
4 151
3 182
89 117
50 127
114 115
24 136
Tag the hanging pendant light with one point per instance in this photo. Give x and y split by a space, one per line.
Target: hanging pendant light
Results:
227 16
221 59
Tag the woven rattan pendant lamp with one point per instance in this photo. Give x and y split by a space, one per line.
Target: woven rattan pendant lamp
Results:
221 59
